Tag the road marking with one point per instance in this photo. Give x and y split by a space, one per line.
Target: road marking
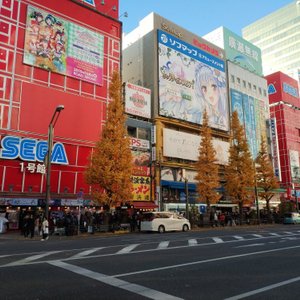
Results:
250 245
217 240
127 249
193 242
275 234
110 280
163 245
238 237
30 259
86 252
289 232
257 235
198 262
266 288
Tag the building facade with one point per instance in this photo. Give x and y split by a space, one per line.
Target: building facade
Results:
277 35
53 53
174 64
285 125
246 86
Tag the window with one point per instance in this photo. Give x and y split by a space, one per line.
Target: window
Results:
265 93
232 78
238 80
259 90
249 85
254 87
244 83
143 134
131 131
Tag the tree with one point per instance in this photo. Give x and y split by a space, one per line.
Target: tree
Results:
110 168
207 169
265 178
239 173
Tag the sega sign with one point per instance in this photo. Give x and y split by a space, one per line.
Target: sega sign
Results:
13 147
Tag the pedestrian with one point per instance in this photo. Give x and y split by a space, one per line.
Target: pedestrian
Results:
31 226
45 229
26 226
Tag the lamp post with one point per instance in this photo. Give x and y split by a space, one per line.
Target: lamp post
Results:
52 123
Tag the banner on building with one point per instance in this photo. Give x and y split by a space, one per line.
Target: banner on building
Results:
137 100
190 82
60 46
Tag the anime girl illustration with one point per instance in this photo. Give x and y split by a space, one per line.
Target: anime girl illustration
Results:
210 95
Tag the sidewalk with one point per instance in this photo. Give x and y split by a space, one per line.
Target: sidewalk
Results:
16 235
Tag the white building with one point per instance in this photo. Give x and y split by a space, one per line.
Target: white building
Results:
278 37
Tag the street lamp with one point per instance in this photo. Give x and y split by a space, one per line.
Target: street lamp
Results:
52 123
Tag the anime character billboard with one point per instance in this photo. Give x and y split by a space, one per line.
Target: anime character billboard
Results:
63 47
191 81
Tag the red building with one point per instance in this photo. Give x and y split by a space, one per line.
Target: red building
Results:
285 109
58 52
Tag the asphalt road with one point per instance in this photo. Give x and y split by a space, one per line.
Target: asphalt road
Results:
227 263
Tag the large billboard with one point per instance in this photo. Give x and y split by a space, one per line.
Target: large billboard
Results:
191 81
244 105
60 46
186 146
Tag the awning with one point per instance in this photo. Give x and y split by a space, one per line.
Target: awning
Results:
144 205
178 185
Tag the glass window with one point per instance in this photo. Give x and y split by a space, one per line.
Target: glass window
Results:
131 131
238 80
232 78
143 134
244 83
259 90
249 85
265 93
254 87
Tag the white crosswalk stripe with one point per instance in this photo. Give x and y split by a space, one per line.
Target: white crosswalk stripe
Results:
31 258
85 253
217 240
238 237
127 249
192 242
163 245
257 235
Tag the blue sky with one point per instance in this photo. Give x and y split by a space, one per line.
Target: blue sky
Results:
200 16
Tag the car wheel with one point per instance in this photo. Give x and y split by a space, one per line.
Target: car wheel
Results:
161 229
185 228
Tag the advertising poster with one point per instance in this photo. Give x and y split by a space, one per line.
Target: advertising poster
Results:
137 100
253 126
140 188
294 163
141 162
237 104
57 45
191 81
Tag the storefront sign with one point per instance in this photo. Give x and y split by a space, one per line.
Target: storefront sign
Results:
33 168
139 143
27 149
140 188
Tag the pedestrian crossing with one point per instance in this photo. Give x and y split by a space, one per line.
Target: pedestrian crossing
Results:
7 260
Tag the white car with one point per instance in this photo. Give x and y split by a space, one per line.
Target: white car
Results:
164 221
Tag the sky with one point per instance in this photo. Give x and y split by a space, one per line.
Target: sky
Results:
200 16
